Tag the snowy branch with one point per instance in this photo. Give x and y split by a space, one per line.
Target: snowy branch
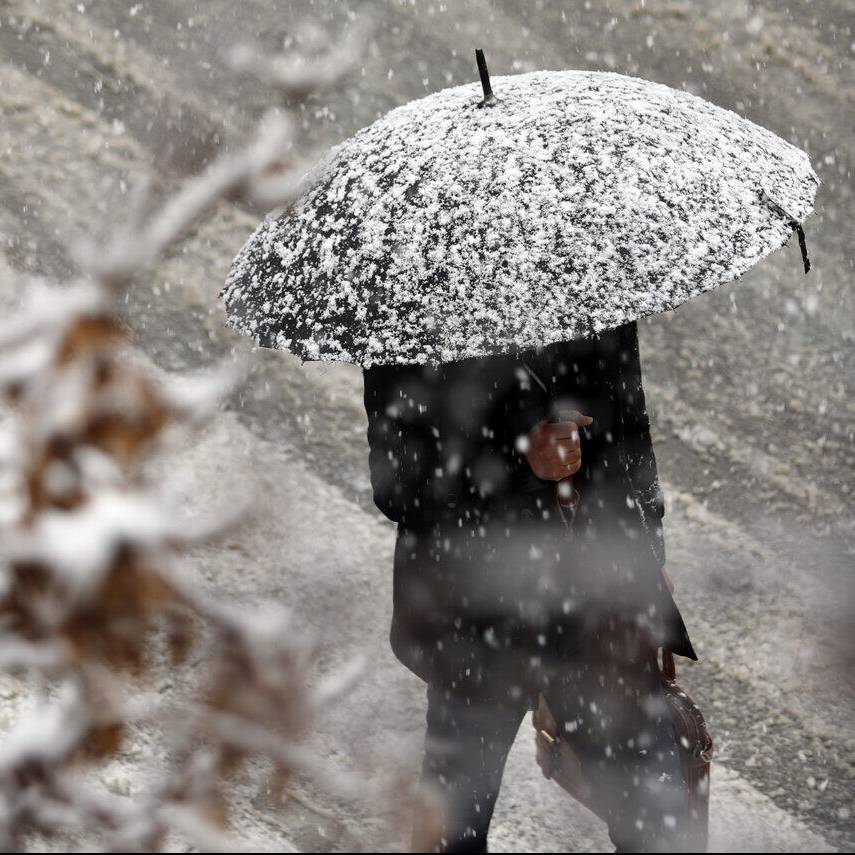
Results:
90 572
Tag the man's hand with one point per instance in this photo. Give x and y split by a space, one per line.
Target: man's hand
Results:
552 449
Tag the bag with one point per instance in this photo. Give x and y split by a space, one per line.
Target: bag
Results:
696 751
558 761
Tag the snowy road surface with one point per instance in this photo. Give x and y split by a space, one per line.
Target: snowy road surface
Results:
749 386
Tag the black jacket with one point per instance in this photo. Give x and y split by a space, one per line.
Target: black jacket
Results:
445 465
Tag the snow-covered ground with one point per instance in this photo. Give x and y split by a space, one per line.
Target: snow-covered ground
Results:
750 386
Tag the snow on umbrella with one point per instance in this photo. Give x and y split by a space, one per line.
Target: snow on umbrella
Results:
569 203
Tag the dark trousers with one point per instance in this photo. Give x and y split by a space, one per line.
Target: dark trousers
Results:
614 715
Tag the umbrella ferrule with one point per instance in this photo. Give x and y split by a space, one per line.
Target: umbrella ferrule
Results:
489 98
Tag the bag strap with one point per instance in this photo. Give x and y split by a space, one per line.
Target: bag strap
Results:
669 666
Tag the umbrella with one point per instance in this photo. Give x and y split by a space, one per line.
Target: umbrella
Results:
470 223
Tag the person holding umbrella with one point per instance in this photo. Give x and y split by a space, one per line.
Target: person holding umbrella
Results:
494 605
484 257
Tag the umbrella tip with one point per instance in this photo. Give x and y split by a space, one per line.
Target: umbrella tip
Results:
489 98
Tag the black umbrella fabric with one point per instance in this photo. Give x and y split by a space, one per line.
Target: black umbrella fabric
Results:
570 203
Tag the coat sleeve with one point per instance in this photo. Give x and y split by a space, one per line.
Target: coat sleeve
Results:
640 459
414 478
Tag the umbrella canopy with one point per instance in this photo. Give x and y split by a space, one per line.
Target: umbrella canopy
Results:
570 203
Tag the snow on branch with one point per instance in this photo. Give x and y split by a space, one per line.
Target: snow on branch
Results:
266 173
320 64
91 578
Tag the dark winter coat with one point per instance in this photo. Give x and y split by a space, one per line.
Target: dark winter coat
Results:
488 596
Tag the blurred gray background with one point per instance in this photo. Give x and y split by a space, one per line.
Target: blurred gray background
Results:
749 387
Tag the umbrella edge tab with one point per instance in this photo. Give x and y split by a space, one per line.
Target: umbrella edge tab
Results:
794 224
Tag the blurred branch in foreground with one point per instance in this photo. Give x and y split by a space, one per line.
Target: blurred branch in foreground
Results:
89 548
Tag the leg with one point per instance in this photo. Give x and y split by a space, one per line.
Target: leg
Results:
613 713
465 753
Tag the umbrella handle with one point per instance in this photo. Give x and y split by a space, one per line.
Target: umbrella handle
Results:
567 498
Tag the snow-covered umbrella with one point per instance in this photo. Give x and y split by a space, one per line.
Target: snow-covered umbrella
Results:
467 223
